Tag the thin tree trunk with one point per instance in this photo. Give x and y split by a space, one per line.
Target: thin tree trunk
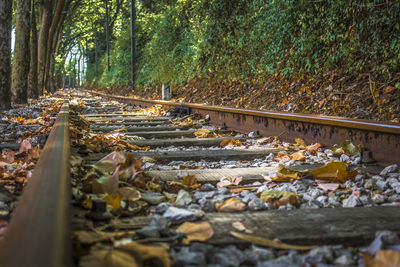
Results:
45 22
33 90
5 53
56 24
21 53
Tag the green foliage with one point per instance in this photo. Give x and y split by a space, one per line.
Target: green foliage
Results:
178 40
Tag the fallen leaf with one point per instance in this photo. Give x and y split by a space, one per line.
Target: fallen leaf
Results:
130 255
298 156
285 174
114 201
227 181
240 227
230 205
313 148
347 147
271 195
188 182
129 193
328 186
106 184
334 171
204 133
261 241
231 142
383 258
86 237
195 231
300 142
25 146
389 89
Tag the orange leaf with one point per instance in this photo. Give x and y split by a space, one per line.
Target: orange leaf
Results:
230 205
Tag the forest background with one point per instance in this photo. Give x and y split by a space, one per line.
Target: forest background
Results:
325 57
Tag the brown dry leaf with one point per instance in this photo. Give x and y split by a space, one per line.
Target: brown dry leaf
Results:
383 258
135 147
33 153
389 90
282 156
8 156
85 237
298 156
240 227
107 258
129 193
188 182
195 231
313 148
334 171
108 164
130 255
230 205
204 133
106 184
25 146
300 142
227 181
231 142
285 175
145 159
261 241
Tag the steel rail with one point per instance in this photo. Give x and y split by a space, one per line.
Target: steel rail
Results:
39 230
383 139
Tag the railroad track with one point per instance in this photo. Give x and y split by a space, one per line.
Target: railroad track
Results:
117 198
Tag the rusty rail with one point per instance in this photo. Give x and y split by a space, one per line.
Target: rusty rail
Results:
39 230
382 139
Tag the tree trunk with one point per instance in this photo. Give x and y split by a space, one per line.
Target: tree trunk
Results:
33 90
5 53
21 66
46 9
51 41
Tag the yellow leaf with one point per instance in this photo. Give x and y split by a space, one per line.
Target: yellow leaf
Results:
285 175
114 201
261 241
334 171
196 231
230 205
203 133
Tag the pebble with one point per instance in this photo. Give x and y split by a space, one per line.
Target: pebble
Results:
257 254
162 207
378 198
183 198
344 260
229 257
153 198
382 185
256 204
178 215
389 169
185 258
207 187
351 202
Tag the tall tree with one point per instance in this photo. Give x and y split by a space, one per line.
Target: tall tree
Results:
33 90
5 53
45 17
21 53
